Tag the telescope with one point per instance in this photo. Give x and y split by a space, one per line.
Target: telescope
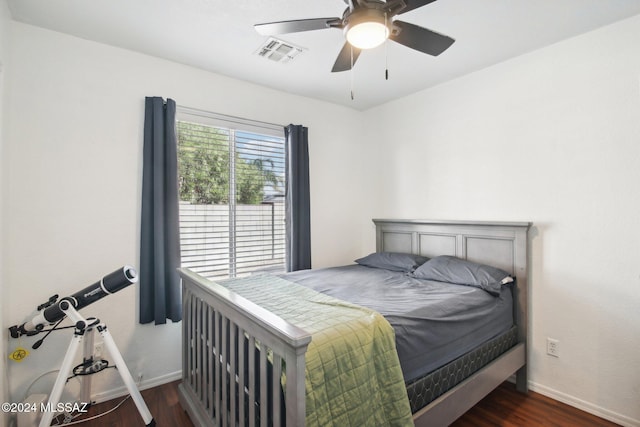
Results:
51 312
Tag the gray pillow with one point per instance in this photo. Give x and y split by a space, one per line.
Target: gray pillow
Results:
462 272
393 261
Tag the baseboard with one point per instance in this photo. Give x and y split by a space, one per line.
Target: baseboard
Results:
145 384
584 405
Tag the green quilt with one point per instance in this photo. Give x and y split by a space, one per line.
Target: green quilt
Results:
353 375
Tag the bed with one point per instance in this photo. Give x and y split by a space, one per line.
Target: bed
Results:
233 348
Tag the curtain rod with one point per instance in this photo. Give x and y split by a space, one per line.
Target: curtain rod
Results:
200 112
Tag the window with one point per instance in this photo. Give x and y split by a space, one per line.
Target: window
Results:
232 205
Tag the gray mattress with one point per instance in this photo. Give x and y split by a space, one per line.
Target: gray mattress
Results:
434 322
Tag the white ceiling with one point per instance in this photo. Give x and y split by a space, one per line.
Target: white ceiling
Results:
218 36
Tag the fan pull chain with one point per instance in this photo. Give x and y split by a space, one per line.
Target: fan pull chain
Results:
386 51
351 72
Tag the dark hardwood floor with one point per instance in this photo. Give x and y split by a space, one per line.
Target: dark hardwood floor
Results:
503 407
506 407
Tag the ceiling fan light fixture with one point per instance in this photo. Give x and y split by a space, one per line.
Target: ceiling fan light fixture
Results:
367 35
367 24
366 30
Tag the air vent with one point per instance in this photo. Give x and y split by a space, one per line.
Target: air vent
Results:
278 50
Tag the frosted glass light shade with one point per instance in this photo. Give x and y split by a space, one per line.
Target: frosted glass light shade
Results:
367 35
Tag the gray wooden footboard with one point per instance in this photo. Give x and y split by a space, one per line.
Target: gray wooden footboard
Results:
225 380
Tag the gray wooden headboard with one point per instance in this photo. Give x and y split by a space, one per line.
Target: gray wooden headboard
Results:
500 244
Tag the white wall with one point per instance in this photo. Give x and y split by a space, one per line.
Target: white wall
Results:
73 165
4 59
551 137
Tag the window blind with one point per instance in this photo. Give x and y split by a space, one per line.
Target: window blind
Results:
232 204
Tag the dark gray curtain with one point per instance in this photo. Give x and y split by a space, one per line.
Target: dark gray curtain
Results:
298 219
160 297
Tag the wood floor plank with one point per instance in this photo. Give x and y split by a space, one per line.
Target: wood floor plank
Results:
504 407
162 402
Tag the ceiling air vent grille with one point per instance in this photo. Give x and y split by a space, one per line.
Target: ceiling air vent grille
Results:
278 50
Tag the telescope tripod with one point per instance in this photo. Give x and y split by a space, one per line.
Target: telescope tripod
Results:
84 332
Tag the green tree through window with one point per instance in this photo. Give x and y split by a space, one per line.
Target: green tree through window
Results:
203 153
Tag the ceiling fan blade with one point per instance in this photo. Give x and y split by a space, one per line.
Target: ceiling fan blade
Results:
282 27
414 4
421 39
343 62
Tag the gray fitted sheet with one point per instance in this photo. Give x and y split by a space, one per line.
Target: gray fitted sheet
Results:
434 322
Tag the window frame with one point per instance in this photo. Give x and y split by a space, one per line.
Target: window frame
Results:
236 124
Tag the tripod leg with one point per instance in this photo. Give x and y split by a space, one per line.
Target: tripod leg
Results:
85 381
61 380
126 375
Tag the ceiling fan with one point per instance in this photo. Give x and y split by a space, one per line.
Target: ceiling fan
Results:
367 24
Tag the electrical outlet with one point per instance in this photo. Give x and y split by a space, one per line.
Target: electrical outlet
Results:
97 350
139 379
553 347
